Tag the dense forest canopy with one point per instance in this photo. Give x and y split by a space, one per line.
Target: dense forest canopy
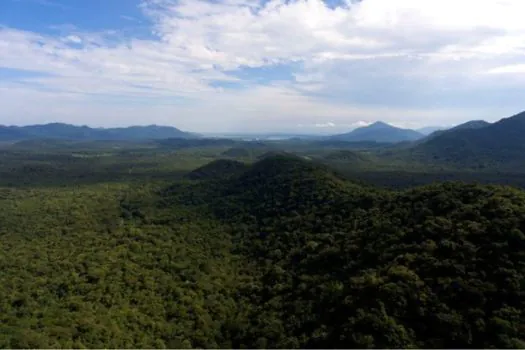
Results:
282 253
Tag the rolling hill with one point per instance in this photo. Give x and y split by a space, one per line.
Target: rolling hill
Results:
379 132
84 133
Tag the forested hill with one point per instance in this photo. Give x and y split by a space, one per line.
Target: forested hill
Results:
497 146
281 185
346 266
284 253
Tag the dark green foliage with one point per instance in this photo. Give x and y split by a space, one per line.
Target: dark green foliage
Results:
407 179
349 158
275 185
343 266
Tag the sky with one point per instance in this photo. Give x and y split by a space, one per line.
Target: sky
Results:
304 66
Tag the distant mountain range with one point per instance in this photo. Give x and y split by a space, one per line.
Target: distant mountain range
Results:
379 132
73 132
474 144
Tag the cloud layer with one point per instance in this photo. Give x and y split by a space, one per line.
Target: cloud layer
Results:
204 66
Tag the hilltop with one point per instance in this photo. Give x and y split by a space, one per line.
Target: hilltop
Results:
281 182
218 169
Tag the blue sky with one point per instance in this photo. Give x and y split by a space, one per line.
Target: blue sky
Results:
249 65
46 16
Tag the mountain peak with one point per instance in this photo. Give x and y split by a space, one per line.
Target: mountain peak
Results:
379 124
380 132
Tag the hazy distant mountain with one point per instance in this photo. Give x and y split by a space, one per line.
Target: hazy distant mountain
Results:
473 124
11 134
430 129
73 132
379 132
478 144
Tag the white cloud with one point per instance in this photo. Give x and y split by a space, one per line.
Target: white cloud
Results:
325 125
330 128
514 68
129 18
331 125
355 60
309 29
360 124
74 39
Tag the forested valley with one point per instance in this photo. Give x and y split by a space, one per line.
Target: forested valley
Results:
282 252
